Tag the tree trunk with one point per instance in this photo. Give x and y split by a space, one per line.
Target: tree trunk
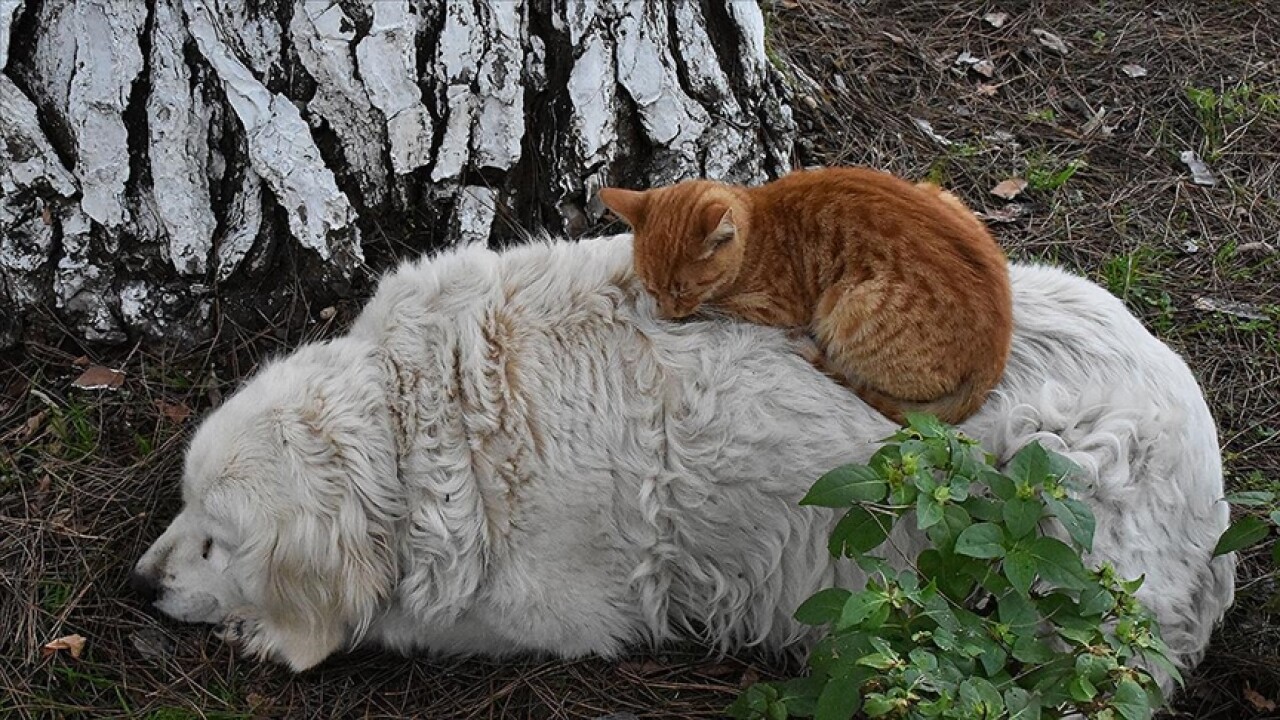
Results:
171 164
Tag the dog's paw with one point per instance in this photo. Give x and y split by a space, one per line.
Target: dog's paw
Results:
240 630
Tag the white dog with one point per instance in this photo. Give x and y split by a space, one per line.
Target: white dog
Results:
511 453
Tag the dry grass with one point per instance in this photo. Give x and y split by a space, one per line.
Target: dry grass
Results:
87 479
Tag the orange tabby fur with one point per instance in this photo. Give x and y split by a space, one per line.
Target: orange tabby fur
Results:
901 285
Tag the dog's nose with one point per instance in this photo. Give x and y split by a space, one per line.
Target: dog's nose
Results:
145 586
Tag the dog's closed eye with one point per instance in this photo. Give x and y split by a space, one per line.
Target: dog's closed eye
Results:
208 545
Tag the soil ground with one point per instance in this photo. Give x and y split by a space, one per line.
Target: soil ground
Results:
87 479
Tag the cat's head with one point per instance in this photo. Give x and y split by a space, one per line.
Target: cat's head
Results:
689 240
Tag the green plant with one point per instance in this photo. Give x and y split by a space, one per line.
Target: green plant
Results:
1047 173
1215 111
1132 278
995 620
1252 529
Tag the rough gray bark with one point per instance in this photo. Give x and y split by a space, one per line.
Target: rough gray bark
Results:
161 159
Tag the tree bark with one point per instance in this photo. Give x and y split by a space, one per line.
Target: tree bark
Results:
170 164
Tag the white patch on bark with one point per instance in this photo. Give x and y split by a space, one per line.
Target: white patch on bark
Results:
9 10
474 211
178 121
281 149
500 126
244 220
456 67
257 36
322 35
646 69
388 60
591 90
750 22
81 287
108 59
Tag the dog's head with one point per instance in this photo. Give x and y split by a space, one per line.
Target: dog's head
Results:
291 501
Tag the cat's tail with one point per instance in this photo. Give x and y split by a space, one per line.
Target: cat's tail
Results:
951 408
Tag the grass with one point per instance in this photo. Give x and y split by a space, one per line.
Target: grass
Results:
88 479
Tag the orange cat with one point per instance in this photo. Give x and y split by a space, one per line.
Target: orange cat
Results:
901 285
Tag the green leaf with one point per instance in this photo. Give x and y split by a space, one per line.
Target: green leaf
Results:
1032 650
1021 516
859 531
1081 689
859 607
1058 563
1131 701
927 425
981 540
1076 517
800 695
1020 568
1001 485
1096 600
776 711
1022 705
1275 518
823 607
842 697
877 705
928 511
981 695
1030 465
1275 553
879 661
984 509
954 521
1243 533
1251 498
845 486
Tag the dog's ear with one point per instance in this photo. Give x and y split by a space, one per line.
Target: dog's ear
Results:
327 560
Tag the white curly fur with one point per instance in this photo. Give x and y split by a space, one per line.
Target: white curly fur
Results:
510 453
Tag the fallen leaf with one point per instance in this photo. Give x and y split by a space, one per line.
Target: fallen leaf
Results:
46 215
1255 248
97 377
1009 189
988 90
1094 124
1007 214
73 644
31 426
996 19
1190 247
717 669
895 39
81 362
152 643
926 127
985 68
1200 173
176 413
328 313
1230 307
966 58
1133 71
999 136
1258 702
749 677
1051 41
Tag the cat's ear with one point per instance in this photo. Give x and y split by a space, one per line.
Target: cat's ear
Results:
719 225
630 205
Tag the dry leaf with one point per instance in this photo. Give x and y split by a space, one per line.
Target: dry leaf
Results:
926 127
749 677
1007 214
46 215
1200 173
1009 189
1255 248
1133 71
895 39
81 362
73 644
328 313
1230 307
31 426
996 19
1051 41
97 377
1259 702
966 58
176 413
988 90
985 68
